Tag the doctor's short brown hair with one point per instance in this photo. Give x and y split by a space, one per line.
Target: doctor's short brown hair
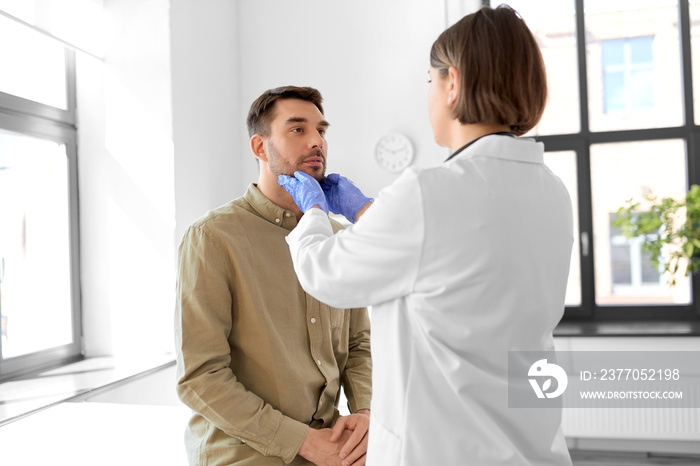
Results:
502 73
262 111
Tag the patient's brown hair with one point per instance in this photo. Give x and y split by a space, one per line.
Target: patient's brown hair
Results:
502 74
262 111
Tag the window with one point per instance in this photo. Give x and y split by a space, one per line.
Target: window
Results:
620 171
39 294
621 122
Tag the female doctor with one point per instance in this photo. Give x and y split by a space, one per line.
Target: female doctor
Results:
462 262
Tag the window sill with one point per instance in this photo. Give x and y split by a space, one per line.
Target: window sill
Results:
627 329
19 398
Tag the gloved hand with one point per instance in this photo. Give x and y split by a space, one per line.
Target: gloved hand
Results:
305 190
343 197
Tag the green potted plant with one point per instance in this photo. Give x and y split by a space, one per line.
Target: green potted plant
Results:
670 229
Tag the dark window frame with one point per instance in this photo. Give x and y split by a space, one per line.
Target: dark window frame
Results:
589 318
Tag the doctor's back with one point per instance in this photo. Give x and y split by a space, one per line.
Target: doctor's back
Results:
491 278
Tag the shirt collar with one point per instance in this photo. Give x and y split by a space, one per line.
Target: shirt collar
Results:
502 146
269 210
500 133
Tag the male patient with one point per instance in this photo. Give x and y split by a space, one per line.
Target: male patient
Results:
258 360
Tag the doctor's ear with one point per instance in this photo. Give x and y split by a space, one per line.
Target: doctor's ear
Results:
453 85
257 146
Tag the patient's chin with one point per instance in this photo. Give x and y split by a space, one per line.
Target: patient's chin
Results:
317 172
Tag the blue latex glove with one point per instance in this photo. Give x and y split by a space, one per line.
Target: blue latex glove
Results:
305 190
343 197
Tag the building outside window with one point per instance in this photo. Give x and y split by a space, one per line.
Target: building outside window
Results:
633 271
628 74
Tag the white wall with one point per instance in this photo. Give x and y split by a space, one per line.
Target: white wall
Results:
207 113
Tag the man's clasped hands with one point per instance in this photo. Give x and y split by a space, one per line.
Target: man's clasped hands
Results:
345 444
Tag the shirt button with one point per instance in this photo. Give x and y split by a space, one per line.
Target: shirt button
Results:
318 361
287 214
313 320
277 220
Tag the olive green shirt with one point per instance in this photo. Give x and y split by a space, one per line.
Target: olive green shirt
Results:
258 359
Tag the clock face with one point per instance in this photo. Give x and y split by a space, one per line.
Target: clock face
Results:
394 152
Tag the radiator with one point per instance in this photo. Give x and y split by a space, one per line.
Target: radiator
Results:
643 423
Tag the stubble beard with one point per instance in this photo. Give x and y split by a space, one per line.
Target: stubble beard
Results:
279 166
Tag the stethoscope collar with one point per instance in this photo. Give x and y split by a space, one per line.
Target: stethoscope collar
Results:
500 133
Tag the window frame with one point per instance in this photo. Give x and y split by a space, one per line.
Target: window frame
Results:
588 312
26 117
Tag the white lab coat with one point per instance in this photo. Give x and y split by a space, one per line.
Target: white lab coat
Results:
461 262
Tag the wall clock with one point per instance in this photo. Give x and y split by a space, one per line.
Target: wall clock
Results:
394 152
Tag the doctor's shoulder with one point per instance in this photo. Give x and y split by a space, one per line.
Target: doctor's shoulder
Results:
414 179
443 175
414 185
563 190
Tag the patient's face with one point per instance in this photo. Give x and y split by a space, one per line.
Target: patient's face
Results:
297 140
